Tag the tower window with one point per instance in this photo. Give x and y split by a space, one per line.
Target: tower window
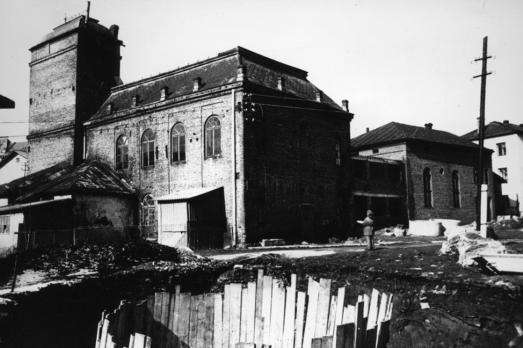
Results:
178 143
148 149
109 108
122 152
212 137
427 188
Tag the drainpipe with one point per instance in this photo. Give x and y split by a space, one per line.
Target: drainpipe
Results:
234 203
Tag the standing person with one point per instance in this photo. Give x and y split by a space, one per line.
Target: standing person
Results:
368 228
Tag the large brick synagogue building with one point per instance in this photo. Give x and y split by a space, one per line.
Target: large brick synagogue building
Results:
225 151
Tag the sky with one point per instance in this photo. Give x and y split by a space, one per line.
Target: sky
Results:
394 60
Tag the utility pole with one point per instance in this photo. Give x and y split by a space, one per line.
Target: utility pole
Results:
481 127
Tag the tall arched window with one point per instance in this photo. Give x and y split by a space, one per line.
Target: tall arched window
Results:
456 194
212 137
148 149
178 143
122 152
427 187
148 211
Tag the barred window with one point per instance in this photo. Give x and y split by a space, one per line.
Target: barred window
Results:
456 194
148 211
427 187
148 149
122 152
177 143
212 137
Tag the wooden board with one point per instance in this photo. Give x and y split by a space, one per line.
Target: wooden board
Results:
226 332
266 308
209 321
193 323
184 319
340 303
218 313
258 321
243 320
290 320
312 303
345 336
360 325
331 322
249 320
322 311
235 313
149 316
202 312
300 319
277 313
326 342
139 340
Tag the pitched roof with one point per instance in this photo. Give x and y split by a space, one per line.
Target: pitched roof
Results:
65 178
496 129
395 132
213 72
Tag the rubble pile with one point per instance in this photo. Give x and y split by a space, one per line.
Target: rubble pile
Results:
469 245
102 258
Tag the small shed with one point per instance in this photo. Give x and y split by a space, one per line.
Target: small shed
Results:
193 218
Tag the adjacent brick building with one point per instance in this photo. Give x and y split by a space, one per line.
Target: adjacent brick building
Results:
242 125
439 167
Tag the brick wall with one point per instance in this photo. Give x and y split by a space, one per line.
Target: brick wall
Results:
50 150
166 177
293 179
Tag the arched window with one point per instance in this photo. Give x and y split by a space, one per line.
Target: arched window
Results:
456 194
148 211
148 149
427 187
212 137
178 143
122 152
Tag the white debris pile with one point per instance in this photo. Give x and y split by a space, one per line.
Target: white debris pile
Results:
470 245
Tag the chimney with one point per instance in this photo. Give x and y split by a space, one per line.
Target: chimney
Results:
428 125
114 30
240 73
197 83
319 96
345 104
367 130
505 122
281 83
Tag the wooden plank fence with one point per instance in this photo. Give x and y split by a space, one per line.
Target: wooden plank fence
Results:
261 314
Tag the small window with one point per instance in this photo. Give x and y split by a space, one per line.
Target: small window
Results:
148 211
502 149
375 150
178 143
456 194
148 149
134 101
504 173
122 152
212 137
4 224
109 108
427 188
163 94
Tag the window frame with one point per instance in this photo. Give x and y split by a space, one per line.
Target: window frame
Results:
428 196
122 157
456 189
178 141
502 148
149 145
148 215
212 134
504 173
